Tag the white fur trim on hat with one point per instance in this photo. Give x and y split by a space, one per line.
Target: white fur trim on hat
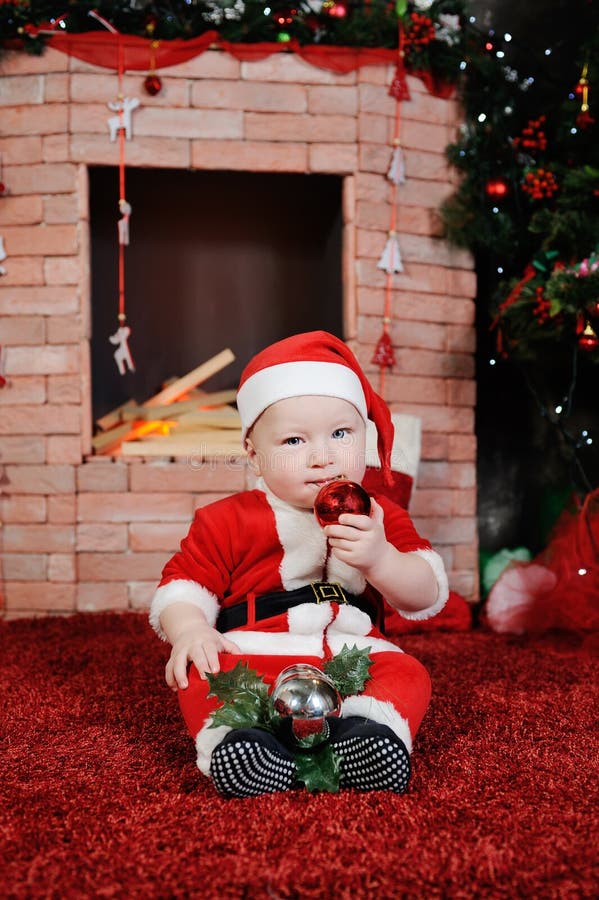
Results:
182 591
436 563
298 379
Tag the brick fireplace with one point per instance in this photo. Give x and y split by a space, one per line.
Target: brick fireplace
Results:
82 532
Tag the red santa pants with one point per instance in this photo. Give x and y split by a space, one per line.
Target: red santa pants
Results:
397 693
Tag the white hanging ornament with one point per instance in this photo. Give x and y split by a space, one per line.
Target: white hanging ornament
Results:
397 167
2 256
123 107
125 209
122 354
390 260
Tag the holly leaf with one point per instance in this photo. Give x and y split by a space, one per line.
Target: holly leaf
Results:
349 670
244 695
238 682
319 770
240 713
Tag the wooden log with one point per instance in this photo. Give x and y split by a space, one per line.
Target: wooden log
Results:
174 410
106 440
198 419
192 379
115 416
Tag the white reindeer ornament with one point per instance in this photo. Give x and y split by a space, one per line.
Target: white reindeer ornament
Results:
123 107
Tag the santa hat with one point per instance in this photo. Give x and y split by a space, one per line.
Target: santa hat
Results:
313 364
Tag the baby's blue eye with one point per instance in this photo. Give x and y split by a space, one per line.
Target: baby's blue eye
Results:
340 433
292 441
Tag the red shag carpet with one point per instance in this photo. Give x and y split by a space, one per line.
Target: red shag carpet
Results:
100 796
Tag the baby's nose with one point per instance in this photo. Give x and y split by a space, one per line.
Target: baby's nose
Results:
320 455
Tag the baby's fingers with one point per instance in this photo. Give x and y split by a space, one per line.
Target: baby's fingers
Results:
172 673
229 646
180 671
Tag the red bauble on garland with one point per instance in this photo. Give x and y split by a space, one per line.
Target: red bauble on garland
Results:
153 84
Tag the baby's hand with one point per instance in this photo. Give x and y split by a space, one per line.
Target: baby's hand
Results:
358 540
201 646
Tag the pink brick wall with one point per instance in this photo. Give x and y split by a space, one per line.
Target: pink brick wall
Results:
83 533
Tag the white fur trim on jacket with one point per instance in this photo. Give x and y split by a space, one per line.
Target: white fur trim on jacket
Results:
348 577
352 627
436 563
277 643
303 542
207 739
182 591
378 711
309 618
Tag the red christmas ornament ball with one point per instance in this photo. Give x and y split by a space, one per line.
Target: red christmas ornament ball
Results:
337 497
2 189
496 187
153 85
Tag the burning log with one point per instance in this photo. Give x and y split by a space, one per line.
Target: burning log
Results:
204 419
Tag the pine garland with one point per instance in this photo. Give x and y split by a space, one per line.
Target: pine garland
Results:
349 23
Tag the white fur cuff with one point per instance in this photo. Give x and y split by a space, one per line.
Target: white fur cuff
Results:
182 591
207 740
378 711
436 563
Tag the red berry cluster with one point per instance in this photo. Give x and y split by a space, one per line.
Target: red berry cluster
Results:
421 31
540 184
533 138
542 307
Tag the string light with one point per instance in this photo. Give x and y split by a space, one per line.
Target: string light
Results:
559 409
582 571
492 361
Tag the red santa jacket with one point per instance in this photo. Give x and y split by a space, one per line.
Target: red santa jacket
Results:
253 542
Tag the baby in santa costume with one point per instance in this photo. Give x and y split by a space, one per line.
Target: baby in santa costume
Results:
258 579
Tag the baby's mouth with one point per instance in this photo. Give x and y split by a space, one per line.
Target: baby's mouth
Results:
320 482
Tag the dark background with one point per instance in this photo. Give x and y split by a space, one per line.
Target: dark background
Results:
525 476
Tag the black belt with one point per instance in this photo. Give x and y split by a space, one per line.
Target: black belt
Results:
269 605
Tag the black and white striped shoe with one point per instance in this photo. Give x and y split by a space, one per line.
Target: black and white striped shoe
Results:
372 757
249 762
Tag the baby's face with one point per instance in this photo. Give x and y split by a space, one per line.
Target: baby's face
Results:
300 443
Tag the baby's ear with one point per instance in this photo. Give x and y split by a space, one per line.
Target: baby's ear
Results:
252 457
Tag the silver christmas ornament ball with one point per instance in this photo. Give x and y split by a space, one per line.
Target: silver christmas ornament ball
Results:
307 696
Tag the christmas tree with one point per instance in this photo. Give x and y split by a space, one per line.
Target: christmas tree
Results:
528 208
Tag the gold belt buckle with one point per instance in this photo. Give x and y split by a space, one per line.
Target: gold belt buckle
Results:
325 591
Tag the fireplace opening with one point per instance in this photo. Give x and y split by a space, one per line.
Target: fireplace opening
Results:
215 260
